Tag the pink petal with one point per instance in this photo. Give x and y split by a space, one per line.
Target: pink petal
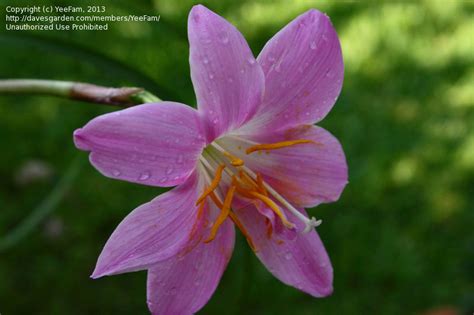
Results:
227 80
301 262
303 69
153 232
184 284
152 144
306 174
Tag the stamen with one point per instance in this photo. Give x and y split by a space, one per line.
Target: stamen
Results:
215 182
216 200
225 210
272 205
236 221
235 161
309 223
247 179
276 145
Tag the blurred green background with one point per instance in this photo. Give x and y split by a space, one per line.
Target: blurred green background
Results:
401 237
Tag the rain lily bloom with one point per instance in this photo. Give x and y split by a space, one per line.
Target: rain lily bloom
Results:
248 157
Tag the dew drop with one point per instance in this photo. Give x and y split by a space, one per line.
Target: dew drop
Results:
180 159
230 80
313 45
205 60
223 37
330 74
325 38
215 121
211 76
164 179
144 176
251 61
169 170
116 173
288 256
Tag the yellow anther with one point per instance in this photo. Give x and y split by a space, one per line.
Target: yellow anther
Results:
225 210
235 161
272 205
215 182
276 145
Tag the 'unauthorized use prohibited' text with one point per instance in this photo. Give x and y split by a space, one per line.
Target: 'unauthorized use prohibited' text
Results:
66 18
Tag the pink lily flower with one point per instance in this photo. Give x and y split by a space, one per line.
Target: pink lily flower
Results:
248 157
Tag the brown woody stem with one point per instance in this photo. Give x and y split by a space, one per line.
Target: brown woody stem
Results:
125 96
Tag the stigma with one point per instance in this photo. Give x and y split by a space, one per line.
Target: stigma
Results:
228 177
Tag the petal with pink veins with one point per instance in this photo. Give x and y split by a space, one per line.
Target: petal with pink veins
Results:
301 262
152 144
227 79
153 232
182 285
304 71
306 174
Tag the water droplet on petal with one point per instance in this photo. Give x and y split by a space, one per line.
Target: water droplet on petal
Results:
251 61
169 170
116 173
211 76
215 121
180 159
313 45
205 60
230 80
144 176
164 179
330 74
288 256
223 37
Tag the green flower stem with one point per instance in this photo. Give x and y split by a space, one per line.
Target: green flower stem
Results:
125 96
